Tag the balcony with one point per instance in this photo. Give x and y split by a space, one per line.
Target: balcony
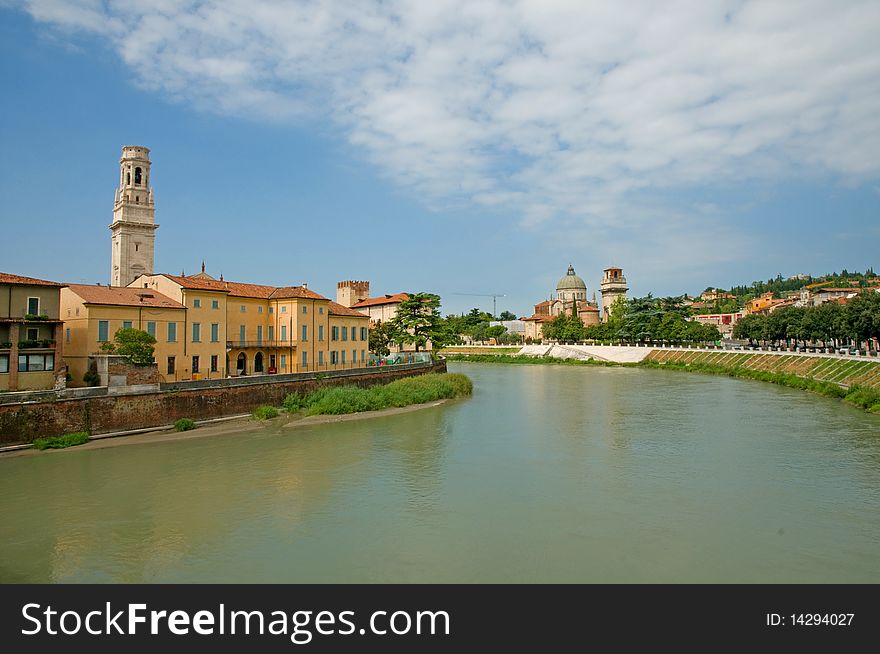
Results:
233 345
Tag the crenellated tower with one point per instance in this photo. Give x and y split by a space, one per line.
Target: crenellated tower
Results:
133 230
350 292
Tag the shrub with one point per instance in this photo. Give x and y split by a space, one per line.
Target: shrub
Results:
265 412
184 424
59 442
92 378
293 402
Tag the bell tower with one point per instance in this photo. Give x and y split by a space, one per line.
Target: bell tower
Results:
133 230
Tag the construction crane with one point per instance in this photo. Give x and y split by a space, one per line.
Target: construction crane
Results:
494 297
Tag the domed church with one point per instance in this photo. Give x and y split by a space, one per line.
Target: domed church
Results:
571 297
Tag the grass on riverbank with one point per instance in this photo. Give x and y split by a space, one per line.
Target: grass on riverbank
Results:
60 442
265 412
339 400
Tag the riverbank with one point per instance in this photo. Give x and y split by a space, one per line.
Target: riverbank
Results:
225 427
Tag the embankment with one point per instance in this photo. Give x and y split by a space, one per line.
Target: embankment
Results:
22 423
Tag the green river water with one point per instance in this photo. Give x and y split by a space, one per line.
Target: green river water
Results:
547 474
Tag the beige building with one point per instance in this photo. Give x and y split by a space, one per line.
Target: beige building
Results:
133 230
93 314
613 286
267 329
30 333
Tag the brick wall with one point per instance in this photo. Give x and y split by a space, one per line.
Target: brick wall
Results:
133 374
24 422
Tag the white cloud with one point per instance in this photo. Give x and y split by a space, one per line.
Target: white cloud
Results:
545 108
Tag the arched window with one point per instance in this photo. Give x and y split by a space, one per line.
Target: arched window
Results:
137 175
127 179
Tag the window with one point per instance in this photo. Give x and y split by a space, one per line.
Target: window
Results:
67 334
364 334
305 332
305 359
344 331
4 363
334 333
33 333
215 332
170 365
354 333
362 356
241 334
137 175
334 357
241 308
215 304
283 332
103 330
321 358
197 304
271 333
172 332
151 328
214 361
33 306
343 357
321 310
284 362
195 365
35 362
305 309
197 332
260 309
259 334
126 324
284 309
271 310
320 332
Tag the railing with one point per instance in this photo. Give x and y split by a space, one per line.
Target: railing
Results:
231 345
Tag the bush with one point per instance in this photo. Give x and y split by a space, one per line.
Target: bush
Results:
265 412
92 378
184 424
59 442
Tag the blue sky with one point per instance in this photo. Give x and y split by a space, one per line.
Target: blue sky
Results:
445 146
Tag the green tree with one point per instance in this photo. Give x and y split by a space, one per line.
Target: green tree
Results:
862 316
507 315
564 327
381 337
135 344
418 320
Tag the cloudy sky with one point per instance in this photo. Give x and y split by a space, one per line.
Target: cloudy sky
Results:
458 147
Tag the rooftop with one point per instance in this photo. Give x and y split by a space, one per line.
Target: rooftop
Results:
240 289
9 278
337 309
124 296
383 299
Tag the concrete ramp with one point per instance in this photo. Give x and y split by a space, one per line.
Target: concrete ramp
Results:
613 353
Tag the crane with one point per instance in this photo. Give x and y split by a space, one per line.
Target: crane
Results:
494 297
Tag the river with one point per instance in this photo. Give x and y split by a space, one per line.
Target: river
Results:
547 474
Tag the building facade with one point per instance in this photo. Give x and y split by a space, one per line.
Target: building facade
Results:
613 286
31 346
133 230
571 298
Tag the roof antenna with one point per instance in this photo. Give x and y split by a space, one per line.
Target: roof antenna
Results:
221 277
203 265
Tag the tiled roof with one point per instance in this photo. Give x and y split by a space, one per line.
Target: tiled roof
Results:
540 317
295 291
384 299
9 278
337 309
124 296
240 289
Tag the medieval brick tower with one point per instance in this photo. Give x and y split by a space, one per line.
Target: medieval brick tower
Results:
133 230
349 293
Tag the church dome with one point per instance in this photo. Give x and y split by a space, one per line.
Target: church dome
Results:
571 282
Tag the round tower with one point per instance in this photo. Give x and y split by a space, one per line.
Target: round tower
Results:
612 287
133 230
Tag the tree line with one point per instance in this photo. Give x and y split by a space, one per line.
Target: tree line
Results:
855 323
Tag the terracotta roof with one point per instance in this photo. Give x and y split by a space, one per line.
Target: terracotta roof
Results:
295 291
9 278
124 296
240 289
540 318
384 299
337 309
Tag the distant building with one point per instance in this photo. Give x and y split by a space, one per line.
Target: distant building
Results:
382 308
613 286
724 321
716 295
31 344
823 295
133 230
571 298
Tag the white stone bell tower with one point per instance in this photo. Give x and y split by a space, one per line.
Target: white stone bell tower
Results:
133 230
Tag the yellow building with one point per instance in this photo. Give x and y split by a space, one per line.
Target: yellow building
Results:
93 314
268 329
30 333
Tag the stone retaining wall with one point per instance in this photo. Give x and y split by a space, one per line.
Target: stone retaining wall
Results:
24 422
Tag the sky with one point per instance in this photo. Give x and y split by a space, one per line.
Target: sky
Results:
461 148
